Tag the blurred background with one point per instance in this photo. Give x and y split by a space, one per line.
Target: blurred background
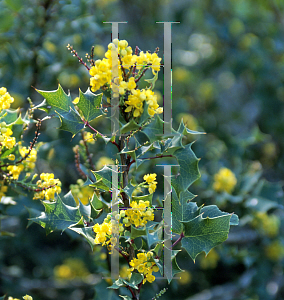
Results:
227 74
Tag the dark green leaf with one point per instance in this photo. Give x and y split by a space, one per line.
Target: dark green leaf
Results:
90 105
202 234
58 216
87 233
188 169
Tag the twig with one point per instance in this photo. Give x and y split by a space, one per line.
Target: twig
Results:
69 47
77 162
89 156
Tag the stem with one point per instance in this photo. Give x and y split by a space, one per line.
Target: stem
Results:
97 132
88 152
77 162
125 256
124 163
178 240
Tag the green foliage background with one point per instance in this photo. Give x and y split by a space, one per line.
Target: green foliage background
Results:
228 67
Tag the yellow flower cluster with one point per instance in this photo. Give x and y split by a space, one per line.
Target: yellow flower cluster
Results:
101 74
70 269
3 189
5 99
210 261
267 224
139 214
79 191
103 232
136 99
144 266
5 136
103 161
47 180
29 162
151 180
27 297
224 181
88 137
15 170
275 251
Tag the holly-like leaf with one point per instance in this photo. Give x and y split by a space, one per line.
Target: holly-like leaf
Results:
130 126
137 231
90 105
212 211
117 284
87 233
130 188
135 279
71 122
154 130
202 234
85 210
58 102
188 169
104 178
58 216
182 209
9 116
153 80
174 266
154 231
69 200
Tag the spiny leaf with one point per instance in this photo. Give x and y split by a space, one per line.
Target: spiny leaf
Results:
152 81
154 233
90 105
68 199
58 216
175 268
104 178
182 209
58 102
87 233
154 130
136 232
188 169
130 126
202 234
71 122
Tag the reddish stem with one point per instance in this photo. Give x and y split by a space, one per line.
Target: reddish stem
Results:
178 240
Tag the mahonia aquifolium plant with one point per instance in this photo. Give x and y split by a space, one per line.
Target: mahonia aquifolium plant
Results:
113 204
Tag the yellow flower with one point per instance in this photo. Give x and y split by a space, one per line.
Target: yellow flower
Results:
50 185
5 99
29 162
15 170
185 278
27 297
210 261
3 189
139 213
275 251
224 181
103 161
267 224
151 179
